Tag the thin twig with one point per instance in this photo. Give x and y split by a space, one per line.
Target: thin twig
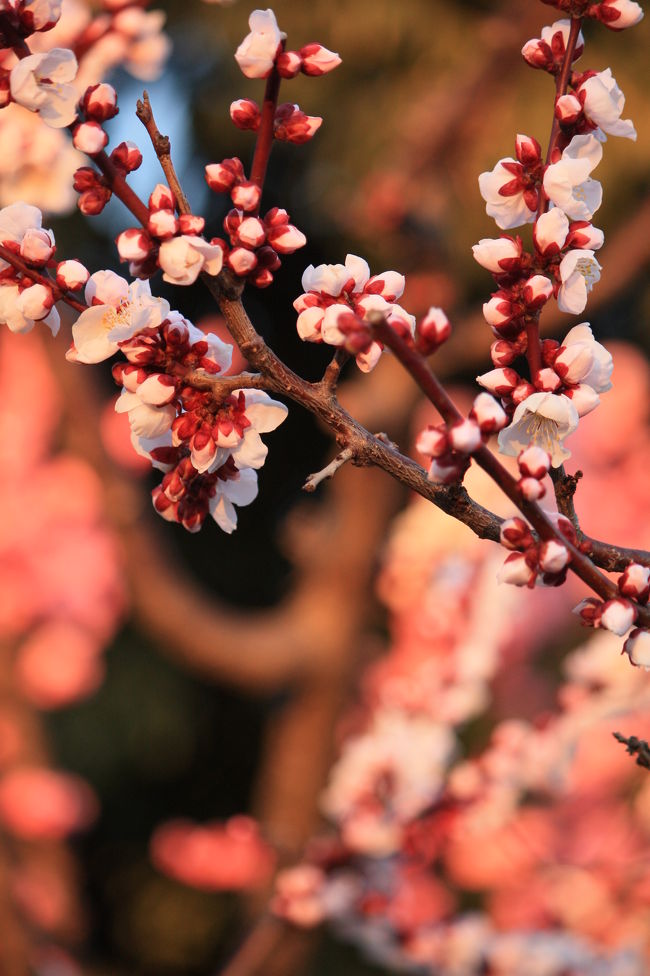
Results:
314 480
60 294
635 747
332 374
162 148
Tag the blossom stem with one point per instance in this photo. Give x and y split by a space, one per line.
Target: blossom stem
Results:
264 141
428 382
60 294
533 349
13 38
121 188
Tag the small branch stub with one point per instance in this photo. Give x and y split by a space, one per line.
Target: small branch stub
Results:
329 470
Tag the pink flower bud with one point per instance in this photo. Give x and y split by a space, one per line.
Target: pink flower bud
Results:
71 275
503 352
100 102
516 571
528 150
317 60
537 291
127 157
35 302
293 125
547 380
531 489
36 246
251 232
618 14
635 582
241 261
89 138
246 196
488 414
534 462
446 472
288 64
553 557
498 311
515 534
538 54
276 217
637 648
432 442
498 255
465 436
133 244
161 198
191 224
245 113
521 392
589 611
567 109
221 177
618 615
433 330
163 224
584 236
261 278
92 202
501 382
286 238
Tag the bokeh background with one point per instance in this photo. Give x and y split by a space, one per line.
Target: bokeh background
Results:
230 660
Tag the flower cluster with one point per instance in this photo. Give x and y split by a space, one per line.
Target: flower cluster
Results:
564 380
26 297
208 448
170 243
339 302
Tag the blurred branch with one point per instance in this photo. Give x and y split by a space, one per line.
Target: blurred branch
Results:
635 747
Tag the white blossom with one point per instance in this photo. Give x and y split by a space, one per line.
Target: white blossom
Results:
567 183
40 82
545 419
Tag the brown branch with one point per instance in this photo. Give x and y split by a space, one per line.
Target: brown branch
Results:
222 386
580 564
162 148
60 294
332 374
635 747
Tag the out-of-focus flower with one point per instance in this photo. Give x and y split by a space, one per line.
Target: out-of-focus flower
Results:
40 82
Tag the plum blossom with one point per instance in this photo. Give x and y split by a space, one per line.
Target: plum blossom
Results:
567 183
20 311
603 102
183 258
257 52
544 419
240 488
40 82
118 311
497 255
21 224
579 272
506 199
338 294
619 14
583 360
387 776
